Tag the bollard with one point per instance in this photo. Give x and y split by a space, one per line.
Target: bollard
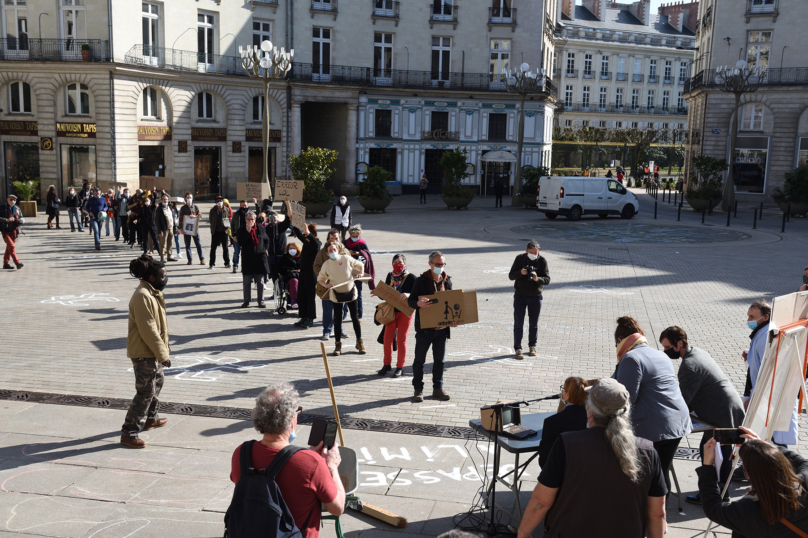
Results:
754 222
703 212
676 198
760 215
783 227
728 215
655 204
679 214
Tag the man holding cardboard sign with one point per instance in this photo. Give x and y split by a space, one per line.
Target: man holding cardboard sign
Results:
430 282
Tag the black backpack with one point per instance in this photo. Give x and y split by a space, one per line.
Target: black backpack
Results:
258 508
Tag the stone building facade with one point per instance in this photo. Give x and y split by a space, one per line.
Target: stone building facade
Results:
773 127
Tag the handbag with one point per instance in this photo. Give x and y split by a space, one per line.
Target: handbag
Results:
793 528
343 297
385 313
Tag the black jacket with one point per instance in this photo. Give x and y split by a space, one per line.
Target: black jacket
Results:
311 246
84 195
571 419
72 201
424 285
277 238
289 267
6 212
147 217
253 258
524 284
238 217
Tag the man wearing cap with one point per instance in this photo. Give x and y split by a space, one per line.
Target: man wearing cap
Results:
605 457
10 221
219 219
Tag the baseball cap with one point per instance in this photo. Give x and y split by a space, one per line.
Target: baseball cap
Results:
11 196
608 394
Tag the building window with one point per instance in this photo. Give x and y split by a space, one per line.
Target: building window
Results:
666 99
383 123
204 106
497 126
500 56
604 65
78 99
635 98
151 103
19 98
570 64
568 96
585 123
555 64
567 123
501 9
74 25
150 22
585 98
750 163
588 66
752 117
383 55
664 125
668 70
758 49
439 120
618 125
680 102
321 53
651 97
618 98
441 57
204 38
602 124
258 109
762 6
652 71
442 10
635 125
637 70
384 157
602 100
262 31
16 19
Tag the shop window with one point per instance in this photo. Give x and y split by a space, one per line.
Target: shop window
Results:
19 97
750 164
497 126
78 163
802 155
22 162
78 99
384 157
204 106
383 122
151 103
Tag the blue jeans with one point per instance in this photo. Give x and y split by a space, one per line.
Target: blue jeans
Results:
328 315
95 226
116 226
198 246
107 224
423 339
236 252
73 212
533 306
177 244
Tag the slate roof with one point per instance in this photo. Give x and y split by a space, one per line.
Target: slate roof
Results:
621 20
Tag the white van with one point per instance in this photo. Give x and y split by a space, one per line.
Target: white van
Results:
577 196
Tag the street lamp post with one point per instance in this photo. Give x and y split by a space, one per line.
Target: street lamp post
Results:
267 63
522 82
738 80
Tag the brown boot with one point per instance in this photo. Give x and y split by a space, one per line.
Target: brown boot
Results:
151 423
337 348
360 347
132 442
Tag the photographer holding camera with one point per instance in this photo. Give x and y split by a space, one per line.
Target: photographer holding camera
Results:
530 274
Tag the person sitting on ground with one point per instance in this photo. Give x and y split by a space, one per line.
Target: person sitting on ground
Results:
706 391
606 456
310 477
289 271
777 503
572 418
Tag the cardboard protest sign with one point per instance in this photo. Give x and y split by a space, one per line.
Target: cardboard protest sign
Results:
250 190
387 293
190 225
455 306
155 183
297 213
286 189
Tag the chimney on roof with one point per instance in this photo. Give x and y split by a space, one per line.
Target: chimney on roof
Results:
642 10
568 8
597 7
681 14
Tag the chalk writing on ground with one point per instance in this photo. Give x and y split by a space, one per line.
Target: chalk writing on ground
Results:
204 368
81 300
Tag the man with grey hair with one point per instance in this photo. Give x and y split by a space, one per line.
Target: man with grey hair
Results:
570 488
430 282
309 477
530 274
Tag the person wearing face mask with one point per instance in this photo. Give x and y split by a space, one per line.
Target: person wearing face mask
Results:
571 418
148 225
52 207
111 214
360 250
190 210
401 280
341 217
706 391
430 282
530 274
94 206
219 218
337 277
289 271
10 221
238 224
276 227
328 306
148 348
135 206
307 282
120 201
73 204
254 264
165 229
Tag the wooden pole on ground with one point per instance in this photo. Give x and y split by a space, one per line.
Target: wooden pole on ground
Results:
333 398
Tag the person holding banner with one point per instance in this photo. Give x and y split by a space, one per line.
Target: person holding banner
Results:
402 281
307 283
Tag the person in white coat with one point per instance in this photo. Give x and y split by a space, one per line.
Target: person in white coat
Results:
341 217
758 317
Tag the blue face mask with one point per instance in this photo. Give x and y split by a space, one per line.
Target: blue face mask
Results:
752 324
292 437
437 270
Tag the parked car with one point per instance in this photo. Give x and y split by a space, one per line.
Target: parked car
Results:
574 197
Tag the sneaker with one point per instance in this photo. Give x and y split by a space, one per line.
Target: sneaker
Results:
519 355
399 372
210 267
132 442
173 259
418 397
693 499
325 337
532 351
386 368
441 395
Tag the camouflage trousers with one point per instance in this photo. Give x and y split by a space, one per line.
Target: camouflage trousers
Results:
148 383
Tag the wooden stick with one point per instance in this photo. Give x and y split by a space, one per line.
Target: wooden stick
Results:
384 515
333 398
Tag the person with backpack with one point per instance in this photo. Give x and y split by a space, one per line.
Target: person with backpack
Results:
297 479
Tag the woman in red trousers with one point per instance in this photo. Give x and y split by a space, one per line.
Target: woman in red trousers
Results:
402 281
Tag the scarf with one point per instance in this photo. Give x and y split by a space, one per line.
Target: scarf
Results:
254 236
439 285
352 245
397 281
629 343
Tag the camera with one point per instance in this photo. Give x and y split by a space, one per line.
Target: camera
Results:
531 269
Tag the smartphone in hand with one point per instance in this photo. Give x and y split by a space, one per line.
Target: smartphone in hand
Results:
728 436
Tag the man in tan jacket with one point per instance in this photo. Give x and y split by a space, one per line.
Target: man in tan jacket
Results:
147 346
319 260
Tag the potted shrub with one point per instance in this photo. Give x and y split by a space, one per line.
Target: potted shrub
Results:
455 170
86 54
794 192
25 191
706 184
373 193
530 179
312 166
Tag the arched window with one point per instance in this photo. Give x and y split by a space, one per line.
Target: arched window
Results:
78 99
151 103
19 98
205 106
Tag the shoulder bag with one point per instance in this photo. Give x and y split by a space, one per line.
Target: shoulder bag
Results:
793 528
344 296
385 313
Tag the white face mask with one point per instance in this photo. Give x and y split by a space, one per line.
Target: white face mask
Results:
189 201
293 252
332 255
532 256
343 200
147 203
220 204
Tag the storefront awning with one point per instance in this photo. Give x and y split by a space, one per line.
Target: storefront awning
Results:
499 156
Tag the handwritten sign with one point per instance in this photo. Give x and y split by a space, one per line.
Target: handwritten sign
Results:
297 213
155 183
387 293
289 190
250 190
455 306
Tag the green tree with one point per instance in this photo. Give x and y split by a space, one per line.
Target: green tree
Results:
640 141
706 178
455 170
531 176
312 166
375 184
795 188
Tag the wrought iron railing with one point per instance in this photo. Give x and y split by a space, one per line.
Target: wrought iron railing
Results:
762 7
621 77
54 50
787 76
637 77
385 9
605 75
620 109
327 6
443 17
571 73
504 16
